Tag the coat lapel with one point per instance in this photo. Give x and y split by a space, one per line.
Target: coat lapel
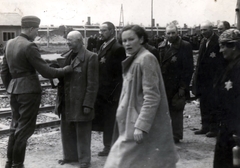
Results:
172 51
212 42
128 61
104 51
79 58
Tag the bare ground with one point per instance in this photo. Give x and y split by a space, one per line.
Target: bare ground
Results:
44 150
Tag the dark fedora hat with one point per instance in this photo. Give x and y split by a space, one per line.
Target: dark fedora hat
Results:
30 21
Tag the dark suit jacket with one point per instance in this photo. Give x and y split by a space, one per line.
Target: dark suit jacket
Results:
110 71
177 66
20 62
210 64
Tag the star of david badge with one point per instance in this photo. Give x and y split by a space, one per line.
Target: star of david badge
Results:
213 55
174 59
103 60
228 85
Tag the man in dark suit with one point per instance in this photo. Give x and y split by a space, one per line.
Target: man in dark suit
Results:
110 56
177 69
76 97
21 62
210 64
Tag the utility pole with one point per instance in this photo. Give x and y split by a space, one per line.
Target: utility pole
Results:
238 14
152 17
121 21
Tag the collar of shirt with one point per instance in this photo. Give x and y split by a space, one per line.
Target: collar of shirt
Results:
208 40
25 36
108 42
169 43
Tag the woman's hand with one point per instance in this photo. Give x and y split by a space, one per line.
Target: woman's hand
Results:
138 135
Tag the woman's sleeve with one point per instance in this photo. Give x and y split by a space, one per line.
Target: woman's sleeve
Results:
151 93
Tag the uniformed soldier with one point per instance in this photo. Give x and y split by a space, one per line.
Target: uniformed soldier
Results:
21 62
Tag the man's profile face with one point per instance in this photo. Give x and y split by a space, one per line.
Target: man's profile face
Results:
171 34
72 42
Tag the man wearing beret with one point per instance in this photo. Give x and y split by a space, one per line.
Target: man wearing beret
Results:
20 65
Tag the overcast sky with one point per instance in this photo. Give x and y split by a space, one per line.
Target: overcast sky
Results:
75 12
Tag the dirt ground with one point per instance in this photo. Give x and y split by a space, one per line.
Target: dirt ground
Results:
44 150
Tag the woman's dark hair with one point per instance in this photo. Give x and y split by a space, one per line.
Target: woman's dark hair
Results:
140 32
110 26
226 25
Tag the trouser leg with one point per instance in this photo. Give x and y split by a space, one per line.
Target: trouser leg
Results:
177 123
109 121
83 132
205 113
25 110
69 140
223 155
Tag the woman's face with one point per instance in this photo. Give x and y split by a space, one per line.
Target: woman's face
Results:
227 51
131 42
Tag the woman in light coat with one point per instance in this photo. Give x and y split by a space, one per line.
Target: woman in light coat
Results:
145 134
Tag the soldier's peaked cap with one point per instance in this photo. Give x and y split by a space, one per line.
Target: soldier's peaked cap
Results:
30 21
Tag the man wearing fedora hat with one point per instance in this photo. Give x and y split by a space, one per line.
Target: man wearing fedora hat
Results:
20 65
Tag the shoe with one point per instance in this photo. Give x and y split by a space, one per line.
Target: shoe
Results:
103 153
18 166
85 165
211 134
176 140
8 164
62 162
200 132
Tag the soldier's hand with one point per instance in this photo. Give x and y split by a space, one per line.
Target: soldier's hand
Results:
68 69
87 110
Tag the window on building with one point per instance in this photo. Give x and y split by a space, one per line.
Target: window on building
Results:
8 35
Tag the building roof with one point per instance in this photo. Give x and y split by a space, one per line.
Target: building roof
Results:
10 19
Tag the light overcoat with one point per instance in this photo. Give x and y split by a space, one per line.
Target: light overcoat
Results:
143 105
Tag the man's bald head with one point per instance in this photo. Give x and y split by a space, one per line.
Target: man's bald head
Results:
76 35
75 40
206 29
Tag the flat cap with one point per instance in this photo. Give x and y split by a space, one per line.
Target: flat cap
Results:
230 35
30 21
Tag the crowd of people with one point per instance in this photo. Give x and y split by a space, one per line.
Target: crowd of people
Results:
133 92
